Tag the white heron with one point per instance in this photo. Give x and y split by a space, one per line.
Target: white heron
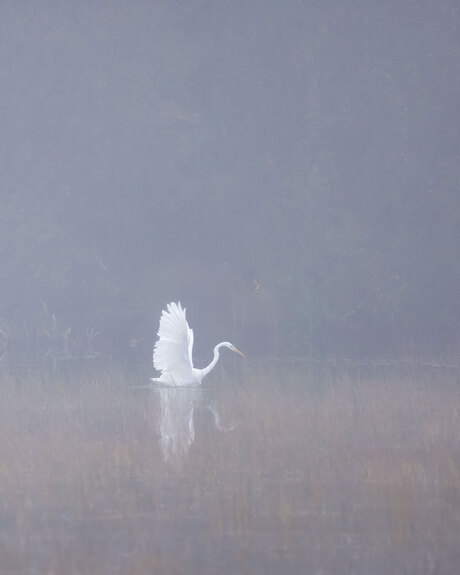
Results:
172 353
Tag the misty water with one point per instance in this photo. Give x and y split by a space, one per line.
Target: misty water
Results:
280 468
289 172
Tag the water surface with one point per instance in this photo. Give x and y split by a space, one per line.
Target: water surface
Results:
280 469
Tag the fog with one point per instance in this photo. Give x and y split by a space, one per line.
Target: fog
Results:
288 172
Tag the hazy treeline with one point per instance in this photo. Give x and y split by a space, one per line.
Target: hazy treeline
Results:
289 171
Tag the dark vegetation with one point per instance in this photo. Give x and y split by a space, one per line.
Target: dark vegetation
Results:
289 171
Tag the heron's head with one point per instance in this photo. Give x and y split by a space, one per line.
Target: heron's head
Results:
237 351
233 348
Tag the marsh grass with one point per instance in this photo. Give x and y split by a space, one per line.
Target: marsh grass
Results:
314 470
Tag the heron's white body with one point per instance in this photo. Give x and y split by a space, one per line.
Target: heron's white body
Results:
172 353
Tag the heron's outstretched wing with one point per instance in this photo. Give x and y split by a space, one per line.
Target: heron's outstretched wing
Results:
172 353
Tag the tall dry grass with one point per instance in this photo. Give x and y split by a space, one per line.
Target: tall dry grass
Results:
319 470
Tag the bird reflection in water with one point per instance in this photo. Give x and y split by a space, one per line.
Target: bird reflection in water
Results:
175 420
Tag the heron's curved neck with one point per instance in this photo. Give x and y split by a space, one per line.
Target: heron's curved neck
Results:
215 359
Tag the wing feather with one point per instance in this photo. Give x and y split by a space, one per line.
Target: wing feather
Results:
172 353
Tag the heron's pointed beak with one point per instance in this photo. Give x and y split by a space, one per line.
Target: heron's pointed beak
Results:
238 351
